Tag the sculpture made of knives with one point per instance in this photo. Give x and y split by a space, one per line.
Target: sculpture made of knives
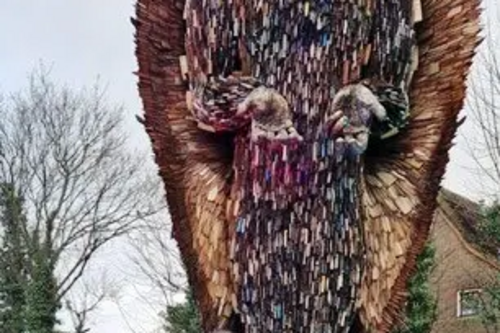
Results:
291 223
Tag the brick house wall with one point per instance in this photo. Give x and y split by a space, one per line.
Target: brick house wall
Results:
459 266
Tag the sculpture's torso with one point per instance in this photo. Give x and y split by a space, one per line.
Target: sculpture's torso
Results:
298 249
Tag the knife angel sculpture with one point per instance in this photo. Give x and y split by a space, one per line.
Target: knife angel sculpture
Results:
301 144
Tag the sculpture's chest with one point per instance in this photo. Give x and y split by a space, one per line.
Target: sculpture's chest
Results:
290 40
301 23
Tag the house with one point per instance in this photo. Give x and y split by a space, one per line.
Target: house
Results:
463 269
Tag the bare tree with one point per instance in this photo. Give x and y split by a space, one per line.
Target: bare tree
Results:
65 153
156 256
86 301
483 107
483 141
157 265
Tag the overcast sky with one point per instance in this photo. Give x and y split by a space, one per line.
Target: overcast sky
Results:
82 40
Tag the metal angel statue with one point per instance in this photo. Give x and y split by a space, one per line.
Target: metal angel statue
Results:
301 143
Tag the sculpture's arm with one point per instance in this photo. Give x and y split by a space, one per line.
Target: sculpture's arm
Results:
217 105
223 95
396 103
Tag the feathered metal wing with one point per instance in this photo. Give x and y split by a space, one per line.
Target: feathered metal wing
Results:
402 182
401 179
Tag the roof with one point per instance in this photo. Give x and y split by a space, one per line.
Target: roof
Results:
465 215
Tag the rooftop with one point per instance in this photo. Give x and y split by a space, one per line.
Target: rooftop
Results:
466 216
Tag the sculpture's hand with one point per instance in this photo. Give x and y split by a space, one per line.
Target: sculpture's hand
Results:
270 115
354 106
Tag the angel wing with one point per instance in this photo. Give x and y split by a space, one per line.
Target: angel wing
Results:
191 163
402 177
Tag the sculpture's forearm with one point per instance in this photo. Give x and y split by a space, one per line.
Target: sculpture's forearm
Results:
212 63
216 105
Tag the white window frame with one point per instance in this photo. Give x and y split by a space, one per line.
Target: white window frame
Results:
459 302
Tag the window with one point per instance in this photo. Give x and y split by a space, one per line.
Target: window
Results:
468 302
